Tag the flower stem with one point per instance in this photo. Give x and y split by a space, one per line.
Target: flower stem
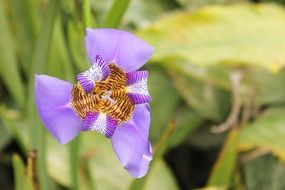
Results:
74 162
116 13
86 13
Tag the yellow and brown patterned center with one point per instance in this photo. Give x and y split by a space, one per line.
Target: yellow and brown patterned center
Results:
108 96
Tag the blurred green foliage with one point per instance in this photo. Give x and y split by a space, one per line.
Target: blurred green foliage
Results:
200 46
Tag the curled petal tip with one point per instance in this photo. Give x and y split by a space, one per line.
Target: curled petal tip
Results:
142 168
131 144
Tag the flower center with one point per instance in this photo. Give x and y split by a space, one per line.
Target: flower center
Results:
108 96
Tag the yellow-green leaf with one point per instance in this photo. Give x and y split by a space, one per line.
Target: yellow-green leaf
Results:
160 177
266 132
9 70
224 167
23 179
244 34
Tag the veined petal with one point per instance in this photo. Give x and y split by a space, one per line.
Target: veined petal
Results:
100 122
131 144
117 46
53 103
137 87
97 72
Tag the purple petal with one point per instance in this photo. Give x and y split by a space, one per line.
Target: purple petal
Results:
137 87
97 72
120 47
141 118
53 103
131 144
102 123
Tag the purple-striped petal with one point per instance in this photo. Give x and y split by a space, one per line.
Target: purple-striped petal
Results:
137 87
131 144
97 72
117 46
53 103
100 122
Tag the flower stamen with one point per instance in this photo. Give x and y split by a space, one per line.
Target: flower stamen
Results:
108 96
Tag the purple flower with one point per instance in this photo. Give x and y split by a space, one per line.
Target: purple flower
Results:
111 98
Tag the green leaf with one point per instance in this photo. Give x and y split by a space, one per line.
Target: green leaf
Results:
202 138
59 63
116 13
76 46
58 160
39 62
264 173
9 72
23 181
97 154
25 29
223 169
15 125
208 100
158 149
266 132
106 169
222 34
194 4
186 121
86 13
217 75
74 162
163 105
160 177
5 136
144 12
264 84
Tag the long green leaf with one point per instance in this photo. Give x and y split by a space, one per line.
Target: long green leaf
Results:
24 21
224 167
86 13
5 136
74 163
15 126
23 181
116 13
59 63
39 62
9 72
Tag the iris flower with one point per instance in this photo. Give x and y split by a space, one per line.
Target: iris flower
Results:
111 97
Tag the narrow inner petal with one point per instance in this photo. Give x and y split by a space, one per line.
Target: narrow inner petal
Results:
100 122
137 87
97 72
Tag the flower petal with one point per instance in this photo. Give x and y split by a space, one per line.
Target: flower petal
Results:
100 122
97 72
120 47
141 118
53 103
131 144
137 87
